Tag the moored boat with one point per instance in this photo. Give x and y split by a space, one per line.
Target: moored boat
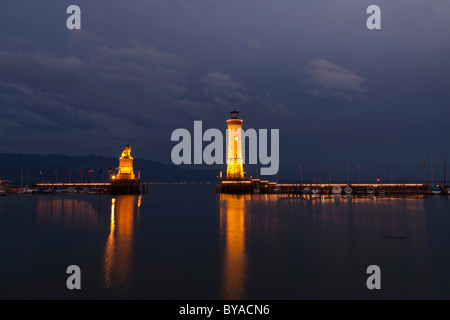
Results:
82 190
93 191
306 190
336 189
370 190
360 190
72 190
435 190
2 193
316 190
41 190
348 190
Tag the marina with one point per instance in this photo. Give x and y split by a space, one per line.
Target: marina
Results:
236 182
251 186
123 183
117 187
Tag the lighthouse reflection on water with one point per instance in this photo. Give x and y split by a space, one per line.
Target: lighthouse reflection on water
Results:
232 234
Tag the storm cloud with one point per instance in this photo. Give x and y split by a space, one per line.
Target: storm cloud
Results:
331 80
138 70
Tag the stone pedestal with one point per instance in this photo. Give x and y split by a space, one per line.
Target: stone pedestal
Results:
125 169
125 186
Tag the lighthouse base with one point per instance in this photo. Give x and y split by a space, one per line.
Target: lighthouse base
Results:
236 186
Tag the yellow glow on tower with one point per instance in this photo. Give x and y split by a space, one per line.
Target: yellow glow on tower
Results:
125 165
235 169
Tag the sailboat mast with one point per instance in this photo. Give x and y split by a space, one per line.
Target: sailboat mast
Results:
431 164
329 173
347 171
315 168
359 173
445 167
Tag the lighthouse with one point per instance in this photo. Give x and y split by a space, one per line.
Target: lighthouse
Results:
235 169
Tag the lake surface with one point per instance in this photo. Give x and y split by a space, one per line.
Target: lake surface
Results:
187 242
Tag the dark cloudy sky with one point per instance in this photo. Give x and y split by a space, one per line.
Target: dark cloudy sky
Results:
140 69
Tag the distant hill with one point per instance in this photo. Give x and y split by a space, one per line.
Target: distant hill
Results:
17 167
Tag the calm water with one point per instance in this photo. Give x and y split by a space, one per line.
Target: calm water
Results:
185 242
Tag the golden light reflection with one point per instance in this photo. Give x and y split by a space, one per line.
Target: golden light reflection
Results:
139 201
119 246
232 230
68 215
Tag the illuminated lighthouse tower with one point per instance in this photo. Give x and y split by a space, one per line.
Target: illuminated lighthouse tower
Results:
235 169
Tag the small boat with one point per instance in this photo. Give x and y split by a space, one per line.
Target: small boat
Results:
336 189
381 191
370 190
93 191
435 190
46 191
256 190
348 190
448 191
306 190
83 190
316 190
2 193
29 190
360 190
326 191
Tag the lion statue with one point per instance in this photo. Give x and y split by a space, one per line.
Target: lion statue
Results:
126 152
